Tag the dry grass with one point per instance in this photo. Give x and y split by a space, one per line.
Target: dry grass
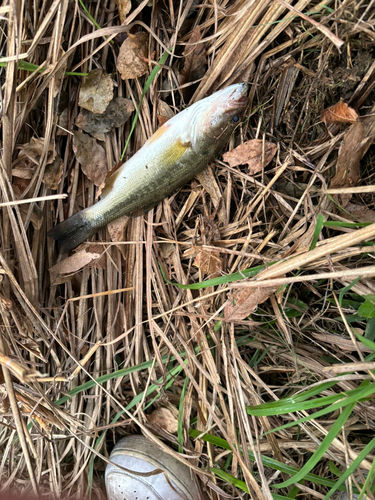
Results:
172 344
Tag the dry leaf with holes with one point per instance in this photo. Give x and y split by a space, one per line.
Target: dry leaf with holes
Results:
339 113
209 262
355 144
4 400
124 7
91 156
97 91
360 213
6 303
164 418
29 158
132 60
194 60
53 173
116 114
62 271
253 153
244 301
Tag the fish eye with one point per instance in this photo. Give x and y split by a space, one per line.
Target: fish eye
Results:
235 119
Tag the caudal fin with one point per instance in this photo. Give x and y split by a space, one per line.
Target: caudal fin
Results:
72 231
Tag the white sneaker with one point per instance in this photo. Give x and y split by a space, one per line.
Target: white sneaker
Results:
138 454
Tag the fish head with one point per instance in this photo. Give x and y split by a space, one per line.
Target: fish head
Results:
216 117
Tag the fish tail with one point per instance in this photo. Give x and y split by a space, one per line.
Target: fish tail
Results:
73 231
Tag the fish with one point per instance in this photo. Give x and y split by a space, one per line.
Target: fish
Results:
172 156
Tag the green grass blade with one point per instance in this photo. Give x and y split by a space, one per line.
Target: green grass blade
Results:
292 405
335 223
27 66
346 289
180 427
366 342
318 229
149 80
361 456
117 374
358 396
221 280
325 444
369 481
267 461
170 379
237 483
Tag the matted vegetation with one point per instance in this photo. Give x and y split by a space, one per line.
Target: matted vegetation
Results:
233 324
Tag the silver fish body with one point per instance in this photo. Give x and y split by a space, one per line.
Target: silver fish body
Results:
178 150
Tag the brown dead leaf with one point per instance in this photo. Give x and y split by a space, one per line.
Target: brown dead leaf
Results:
360 213
6 303
251 152
115 167
101 263
64 269
117 228
97 91
339 113
209 183
29 158
244 301
163 109
63 122
132 59
164 112
355 144
91 156
116 114
166 250
28 161
53 173
162 120
209 262
195 60
164 418
124 7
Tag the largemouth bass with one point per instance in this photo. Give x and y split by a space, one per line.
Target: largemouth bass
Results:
179 149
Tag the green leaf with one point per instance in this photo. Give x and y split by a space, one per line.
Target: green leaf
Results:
347 288
367 310
370 329
370 297
365 341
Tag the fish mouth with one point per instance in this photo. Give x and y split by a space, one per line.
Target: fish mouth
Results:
239 99
241 102
238 104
